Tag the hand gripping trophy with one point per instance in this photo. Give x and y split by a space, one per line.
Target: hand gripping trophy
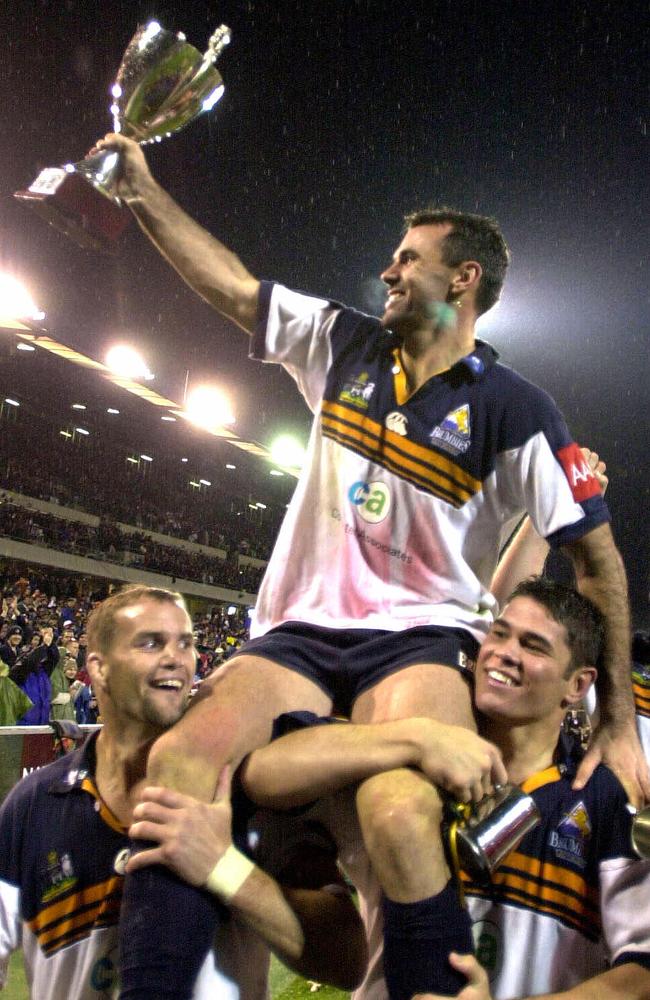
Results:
162 84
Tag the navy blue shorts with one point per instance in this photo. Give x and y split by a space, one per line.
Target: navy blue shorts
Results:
346 662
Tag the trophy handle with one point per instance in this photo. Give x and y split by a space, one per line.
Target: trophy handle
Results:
217 42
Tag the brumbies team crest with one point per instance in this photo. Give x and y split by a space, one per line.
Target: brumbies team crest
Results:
453 434
358 391
570 838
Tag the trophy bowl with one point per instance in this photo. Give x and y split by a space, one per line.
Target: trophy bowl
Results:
163 83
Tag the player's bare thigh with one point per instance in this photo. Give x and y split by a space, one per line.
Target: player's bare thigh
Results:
231 715
434 690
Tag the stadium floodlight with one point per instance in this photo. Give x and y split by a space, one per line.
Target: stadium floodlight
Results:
16 302
288 452
22 345
276 472
229 465
206 406
126 361
205 482
78 406
146 458
111 409
11 402
82 430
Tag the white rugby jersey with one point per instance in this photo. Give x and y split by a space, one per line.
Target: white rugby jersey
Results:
569 902
404 502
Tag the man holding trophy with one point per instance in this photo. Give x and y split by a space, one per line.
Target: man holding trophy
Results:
424 452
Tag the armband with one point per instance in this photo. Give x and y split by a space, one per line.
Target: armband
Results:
229 874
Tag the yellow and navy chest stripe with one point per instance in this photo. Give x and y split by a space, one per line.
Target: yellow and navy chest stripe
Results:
641 688
418 464
557 876
74 918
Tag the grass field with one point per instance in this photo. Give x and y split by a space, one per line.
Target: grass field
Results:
285 985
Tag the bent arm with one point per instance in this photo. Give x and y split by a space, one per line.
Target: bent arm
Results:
208 267
313 762
525 556
317 932
311 923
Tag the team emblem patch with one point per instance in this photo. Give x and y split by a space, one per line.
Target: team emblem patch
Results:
570 838
59 875
453 434
358 391
397 422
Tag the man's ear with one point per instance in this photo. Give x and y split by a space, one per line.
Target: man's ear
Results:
466 279
579 683
97 667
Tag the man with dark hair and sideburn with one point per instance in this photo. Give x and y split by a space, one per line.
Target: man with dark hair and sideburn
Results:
425 451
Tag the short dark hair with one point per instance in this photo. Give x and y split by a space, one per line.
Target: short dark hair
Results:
473 237
584 623
101 621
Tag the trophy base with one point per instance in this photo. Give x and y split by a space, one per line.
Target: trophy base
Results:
72 205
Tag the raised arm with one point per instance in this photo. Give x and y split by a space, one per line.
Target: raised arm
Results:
213 271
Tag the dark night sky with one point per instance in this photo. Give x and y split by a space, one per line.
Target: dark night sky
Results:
337 119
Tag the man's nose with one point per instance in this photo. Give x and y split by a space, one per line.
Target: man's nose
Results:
391 274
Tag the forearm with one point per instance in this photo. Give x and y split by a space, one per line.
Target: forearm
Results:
208 267
630 981
601 577
310 763
316 932
524 557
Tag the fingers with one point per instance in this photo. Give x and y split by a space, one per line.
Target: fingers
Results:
164 796
470 967
588 765
142 859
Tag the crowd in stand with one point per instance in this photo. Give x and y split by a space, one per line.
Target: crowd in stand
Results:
96 477
43 648
108 543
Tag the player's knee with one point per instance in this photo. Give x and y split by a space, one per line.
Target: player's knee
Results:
396 807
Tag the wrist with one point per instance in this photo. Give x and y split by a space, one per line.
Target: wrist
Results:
229 874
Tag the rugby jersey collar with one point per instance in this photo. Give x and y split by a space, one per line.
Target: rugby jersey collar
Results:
567 758
473 366
79 765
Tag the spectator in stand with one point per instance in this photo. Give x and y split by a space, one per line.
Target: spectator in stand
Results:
64 689
10 647
32 673
13 701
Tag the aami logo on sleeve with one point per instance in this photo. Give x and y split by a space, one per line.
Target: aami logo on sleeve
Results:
582 481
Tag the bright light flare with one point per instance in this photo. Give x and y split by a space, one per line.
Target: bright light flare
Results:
208 407
16 301
287 451
127 362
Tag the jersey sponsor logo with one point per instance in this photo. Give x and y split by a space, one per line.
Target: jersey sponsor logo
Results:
453 434
60 875
465 661
120 861
582 481
573 831
103 975
372 500
358 391
397 422
488 943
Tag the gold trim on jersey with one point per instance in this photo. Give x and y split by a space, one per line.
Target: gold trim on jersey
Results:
422 466
545 888
73 918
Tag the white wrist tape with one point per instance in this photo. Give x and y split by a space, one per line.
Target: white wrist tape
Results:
229 874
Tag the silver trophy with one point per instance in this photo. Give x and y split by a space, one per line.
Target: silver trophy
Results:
482 834
162 84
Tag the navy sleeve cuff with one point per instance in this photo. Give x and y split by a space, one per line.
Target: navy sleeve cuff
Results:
258 341
640 957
